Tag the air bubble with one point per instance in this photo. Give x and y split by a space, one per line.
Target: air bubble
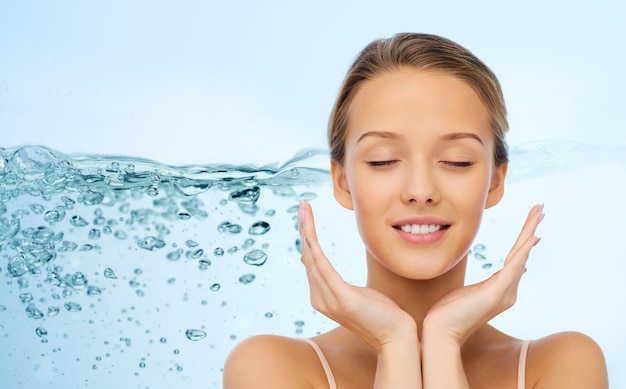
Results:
73 307
151 243
247 278
255 258
109 273
229 228
259 228
194 335
246 195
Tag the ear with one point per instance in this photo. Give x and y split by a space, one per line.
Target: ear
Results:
341 190
496 188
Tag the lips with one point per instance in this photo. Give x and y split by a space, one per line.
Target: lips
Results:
421 230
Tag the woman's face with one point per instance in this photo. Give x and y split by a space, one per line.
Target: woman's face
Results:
418 170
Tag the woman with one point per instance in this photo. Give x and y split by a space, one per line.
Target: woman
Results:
417 152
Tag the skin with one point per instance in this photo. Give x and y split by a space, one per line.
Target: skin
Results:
419 150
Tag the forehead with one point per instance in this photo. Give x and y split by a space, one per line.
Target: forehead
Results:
415 99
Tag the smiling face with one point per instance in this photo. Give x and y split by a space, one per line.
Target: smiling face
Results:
418 170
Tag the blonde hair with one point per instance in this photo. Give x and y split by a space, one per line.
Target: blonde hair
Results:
421 52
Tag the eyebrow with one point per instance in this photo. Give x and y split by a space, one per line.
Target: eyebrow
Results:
446 137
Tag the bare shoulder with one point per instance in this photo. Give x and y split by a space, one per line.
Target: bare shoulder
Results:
566 360
270 361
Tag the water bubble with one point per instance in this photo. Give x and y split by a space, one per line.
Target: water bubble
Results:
108 273
204 264
479 248
37 208
259 228
32 162
247 278
215 287
269 315
2 308
22 282
94 233
93 290
120 234
270 212
191 243
247 244
90 198
479 257
67 246
151 243
174 255
53 311
78 221
196 253
194 335
41 332
78 280
26 297
218 252
184 216
229 228
163 340
33 313
69 203
255 257
54 215
73 307
17 266
487 266
246 195
86 247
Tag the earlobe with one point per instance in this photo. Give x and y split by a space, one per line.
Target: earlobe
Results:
341 190
496 188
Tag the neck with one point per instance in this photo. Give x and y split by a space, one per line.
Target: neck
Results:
415 297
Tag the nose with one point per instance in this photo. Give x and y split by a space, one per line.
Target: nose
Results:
420 185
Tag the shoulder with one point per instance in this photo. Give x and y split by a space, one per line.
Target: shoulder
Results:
270 361
566 360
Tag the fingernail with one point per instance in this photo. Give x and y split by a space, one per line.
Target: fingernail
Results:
541 207
301 212
541 218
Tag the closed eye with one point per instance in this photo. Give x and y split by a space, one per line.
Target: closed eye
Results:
459 163
381 163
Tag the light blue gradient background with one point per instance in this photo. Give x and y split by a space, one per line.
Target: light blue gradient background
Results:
253 82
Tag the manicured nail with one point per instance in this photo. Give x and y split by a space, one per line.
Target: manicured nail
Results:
541 207
301 212
541 218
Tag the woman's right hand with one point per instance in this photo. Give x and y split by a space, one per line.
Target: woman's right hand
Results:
365 311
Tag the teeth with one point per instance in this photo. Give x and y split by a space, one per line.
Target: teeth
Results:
421 228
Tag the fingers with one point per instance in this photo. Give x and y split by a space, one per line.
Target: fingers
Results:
526 236
324 281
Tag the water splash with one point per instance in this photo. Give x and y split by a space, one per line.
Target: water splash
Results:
110 255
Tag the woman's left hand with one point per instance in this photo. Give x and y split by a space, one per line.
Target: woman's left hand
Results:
459 313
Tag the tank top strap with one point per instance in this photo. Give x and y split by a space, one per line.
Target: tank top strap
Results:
324 361
521 367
